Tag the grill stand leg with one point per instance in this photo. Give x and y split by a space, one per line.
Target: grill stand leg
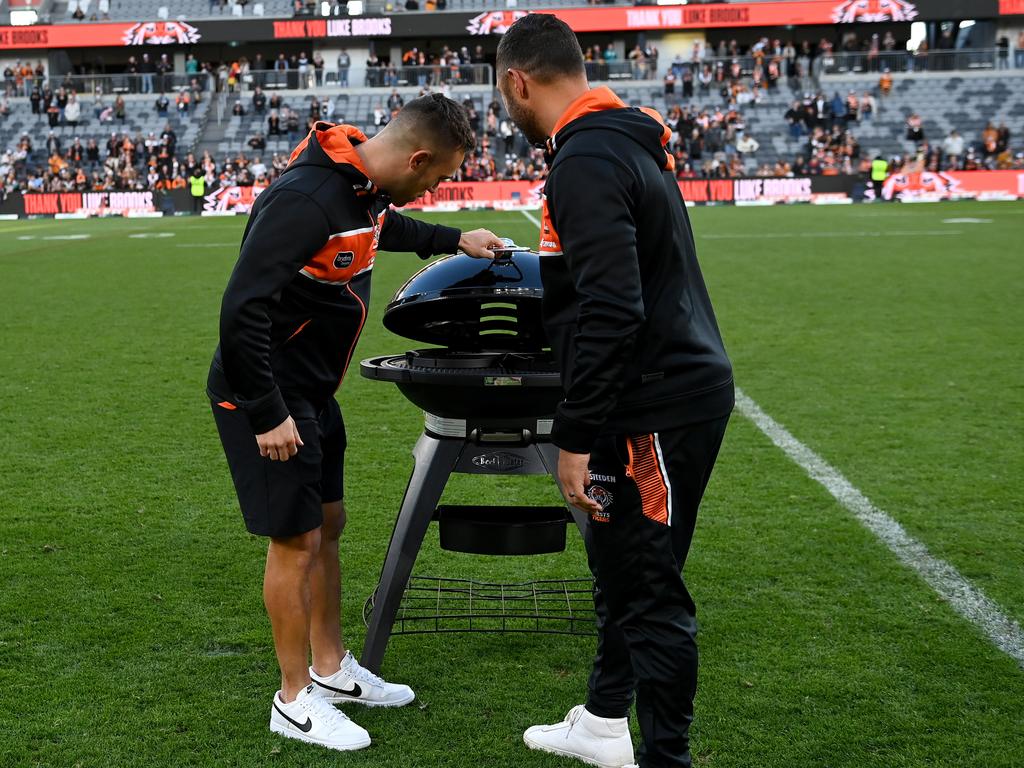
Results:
434 461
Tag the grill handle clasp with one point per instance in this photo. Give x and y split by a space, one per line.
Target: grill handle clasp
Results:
483 436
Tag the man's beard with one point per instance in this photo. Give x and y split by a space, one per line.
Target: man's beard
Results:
527 121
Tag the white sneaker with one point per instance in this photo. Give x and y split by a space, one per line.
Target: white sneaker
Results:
600 741
353 683
311 718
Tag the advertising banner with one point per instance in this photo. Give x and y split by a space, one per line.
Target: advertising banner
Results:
954 185
175 32
481 194
793 13
87 203
232 199
907 187
354 26
457 25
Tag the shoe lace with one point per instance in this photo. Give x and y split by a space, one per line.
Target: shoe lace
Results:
364 675
324 710
572 718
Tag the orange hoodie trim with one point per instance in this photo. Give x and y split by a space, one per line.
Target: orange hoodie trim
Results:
594 100
666 135
603 98
336 142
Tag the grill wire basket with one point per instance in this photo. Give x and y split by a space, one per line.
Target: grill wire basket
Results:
432 605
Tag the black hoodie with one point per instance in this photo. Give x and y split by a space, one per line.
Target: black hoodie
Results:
296 302
625 305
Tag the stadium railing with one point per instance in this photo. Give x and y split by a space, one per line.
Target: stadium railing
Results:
862 62
369 77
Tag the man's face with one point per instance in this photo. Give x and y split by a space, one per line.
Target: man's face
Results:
520 112
423 173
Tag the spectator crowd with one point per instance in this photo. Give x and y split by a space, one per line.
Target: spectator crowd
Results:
709 141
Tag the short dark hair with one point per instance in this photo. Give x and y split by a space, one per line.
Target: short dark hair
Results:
543 46
439 118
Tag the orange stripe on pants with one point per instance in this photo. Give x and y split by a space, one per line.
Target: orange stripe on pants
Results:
643 468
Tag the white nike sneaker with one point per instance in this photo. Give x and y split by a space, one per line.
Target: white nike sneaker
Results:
600 741
311 718
353 683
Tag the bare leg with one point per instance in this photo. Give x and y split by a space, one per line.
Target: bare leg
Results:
286 594
325 617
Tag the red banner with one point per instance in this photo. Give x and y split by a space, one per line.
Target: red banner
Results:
88 203
499 194
948 185
482 194
794 12
352 27
1011 7
100 35
921 186
232 199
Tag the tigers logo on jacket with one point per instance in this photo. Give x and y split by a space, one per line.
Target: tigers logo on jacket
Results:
853 11
161 33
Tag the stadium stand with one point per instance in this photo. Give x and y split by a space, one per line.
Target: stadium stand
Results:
731 138
141 124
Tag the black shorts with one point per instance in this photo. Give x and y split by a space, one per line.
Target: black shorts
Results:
285 498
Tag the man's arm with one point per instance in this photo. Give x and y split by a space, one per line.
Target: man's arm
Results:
593 217
401 233
285 233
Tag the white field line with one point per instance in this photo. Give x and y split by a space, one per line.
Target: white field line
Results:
965 598
532 218
848 235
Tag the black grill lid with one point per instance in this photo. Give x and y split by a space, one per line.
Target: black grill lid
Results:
466 303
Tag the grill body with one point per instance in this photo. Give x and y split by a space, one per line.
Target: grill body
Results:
488 393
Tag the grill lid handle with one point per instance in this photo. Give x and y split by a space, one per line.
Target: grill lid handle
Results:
505 252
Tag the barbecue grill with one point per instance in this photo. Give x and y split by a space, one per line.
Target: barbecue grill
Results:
488 394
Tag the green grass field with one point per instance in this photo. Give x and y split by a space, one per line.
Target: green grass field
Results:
132 631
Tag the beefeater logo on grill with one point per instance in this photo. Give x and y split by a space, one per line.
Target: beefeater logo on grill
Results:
161 33
498 462
493 22
853 11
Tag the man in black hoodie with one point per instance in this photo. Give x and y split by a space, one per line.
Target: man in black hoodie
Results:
290 319
647 388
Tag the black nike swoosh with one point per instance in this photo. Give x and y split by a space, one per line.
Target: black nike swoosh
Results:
355 693
304 727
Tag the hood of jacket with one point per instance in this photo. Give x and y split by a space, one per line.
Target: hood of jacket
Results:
600 108
333 146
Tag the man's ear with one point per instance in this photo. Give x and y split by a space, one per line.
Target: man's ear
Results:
518 81
420 159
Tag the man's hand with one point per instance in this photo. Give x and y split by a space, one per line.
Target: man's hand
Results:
574 475
280 443
478 243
